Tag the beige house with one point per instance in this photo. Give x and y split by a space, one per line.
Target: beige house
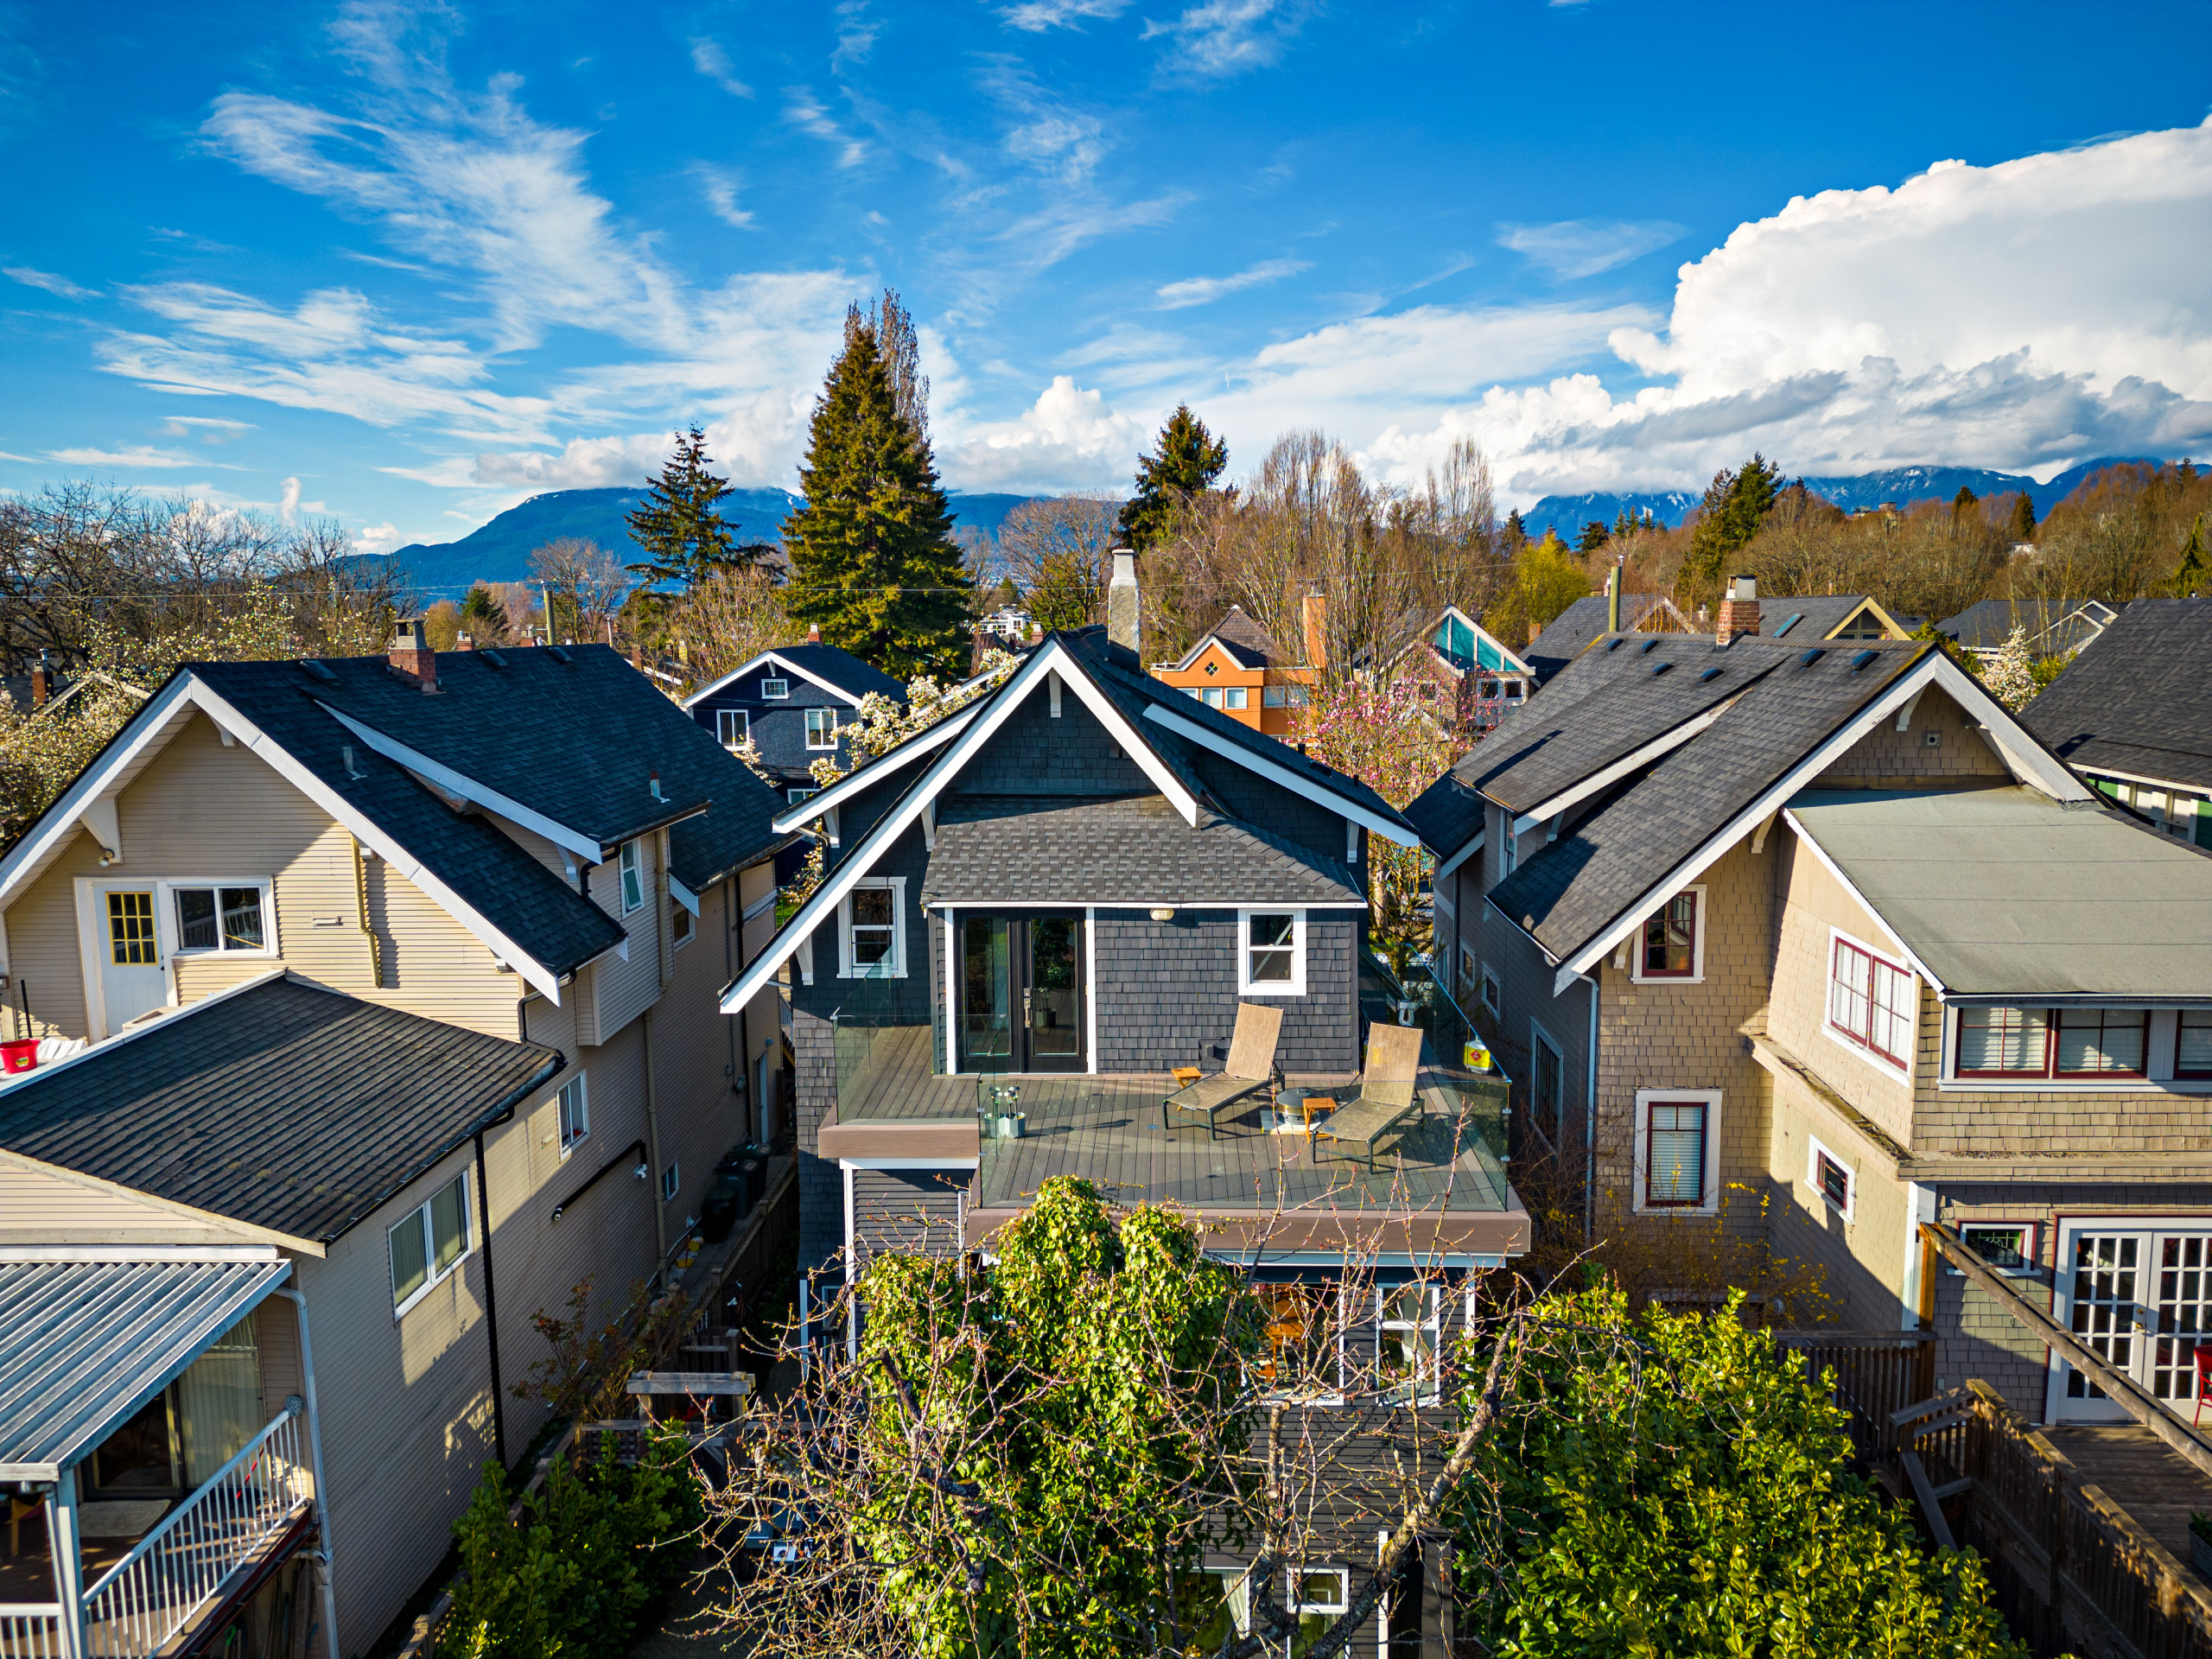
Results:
378 999
1814 942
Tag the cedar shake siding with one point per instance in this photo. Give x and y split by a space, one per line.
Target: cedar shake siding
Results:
1167 992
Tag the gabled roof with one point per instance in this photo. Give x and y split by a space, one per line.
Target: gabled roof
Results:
2053 627
1158 727
1247 643
1132 850
1571 632
1999 893
292 1108
2140 704
1452 625
831 667
1806 619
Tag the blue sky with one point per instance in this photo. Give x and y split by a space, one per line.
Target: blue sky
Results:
407 264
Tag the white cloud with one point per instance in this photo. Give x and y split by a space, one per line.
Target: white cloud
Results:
804 111
1069 438
46 280
711 60
721 190
138 456
1583 247
856 34
377 539
1037 15
206 428
1204 290
1227 37
288 505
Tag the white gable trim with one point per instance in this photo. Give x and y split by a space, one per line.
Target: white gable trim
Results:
1276 773
990 715
1881 921
1449 865
468 789
922 743
781 661
1519 665
2030 761
1604 778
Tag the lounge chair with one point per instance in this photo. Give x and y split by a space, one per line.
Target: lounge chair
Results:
1251 1066
1387 1094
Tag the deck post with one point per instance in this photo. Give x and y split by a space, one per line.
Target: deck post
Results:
68 1563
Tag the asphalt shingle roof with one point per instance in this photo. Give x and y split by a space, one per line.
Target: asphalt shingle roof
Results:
2052 625
2141 702
1570 892
1816 614
282 1105
842 668
1131 851
1572 632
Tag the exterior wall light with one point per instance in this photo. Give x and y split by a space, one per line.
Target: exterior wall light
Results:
1163 912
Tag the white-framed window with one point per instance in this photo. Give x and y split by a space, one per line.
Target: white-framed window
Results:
428 1242
1835 1182
1210 695
680 927
634 877
1493 992
1317 1598
732 726
1546 1089
1671 945
794 796
1235 697
1271 952
2006 1247
822 728
575 1113
775 691
220 917
1873 1003
1678 1151
672 1183
872 929
1409 1329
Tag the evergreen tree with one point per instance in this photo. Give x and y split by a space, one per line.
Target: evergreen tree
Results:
1515 533
2189 581
1735 504
1184 463
684 535
1965 498
482 617
2024 517
874 564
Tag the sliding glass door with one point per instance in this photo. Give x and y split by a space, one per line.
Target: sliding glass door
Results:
1021 994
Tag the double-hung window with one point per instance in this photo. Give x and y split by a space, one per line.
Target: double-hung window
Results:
1871 1001
1271 952
1301 1351
822 728
1317 1600
220 918
1668 947
873 928
634 877
1677 1143
2101 1042
575 1113
2193 1044
428 1242
1546 1066
1407 1324
2021 1043
732 726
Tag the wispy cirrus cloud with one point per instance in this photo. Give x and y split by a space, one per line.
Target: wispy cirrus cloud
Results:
1227 37
806 112
137 457
1204 290
48 281
1035 16
711 60
720 190
1583 247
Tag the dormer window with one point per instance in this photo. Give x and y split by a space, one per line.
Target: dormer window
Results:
775 691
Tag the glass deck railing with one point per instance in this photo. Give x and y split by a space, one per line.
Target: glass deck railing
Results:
1457 1064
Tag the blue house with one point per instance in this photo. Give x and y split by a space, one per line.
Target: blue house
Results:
795 702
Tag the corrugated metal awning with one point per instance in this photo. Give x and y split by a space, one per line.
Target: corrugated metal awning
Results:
87 1336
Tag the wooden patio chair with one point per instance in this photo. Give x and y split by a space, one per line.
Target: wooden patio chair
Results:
1251 1066
1387 1094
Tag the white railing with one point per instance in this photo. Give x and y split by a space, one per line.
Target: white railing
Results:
148 1596
30 1630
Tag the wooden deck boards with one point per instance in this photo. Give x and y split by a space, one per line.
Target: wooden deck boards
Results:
2134 1468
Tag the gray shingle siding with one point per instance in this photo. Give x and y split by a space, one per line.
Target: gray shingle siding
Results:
894 1000
914 1211
779 727
1269 806
1165 992
1033 753
821 1184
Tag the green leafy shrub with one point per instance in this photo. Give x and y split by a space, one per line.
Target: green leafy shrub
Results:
1675 1485
588 1554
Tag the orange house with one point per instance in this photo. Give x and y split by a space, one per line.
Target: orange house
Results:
1237 667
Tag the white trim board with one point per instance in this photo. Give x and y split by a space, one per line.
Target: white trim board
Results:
2029 761
1450 866
930 741
1572 797
782 662
1276 773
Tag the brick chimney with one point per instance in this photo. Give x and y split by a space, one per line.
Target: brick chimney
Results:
1739 610
467 642
1314 614
1123 626
814 633
42 680
412 658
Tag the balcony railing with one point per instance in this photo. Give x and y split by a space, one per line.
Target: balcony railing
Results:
151 1593
30 1631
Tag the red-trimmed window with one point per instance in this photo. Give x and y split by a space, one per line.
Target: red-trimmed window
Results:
2193 1052
1674 1154
1998 1042
1873 1002
1671 939
2101 1042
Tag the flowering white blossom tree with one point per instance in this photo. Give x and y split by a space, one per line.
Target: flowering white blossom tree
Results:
2011 676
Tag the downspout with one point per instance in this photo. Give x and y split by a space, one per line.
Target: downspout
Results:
491 1307
1589 1122
734 918
652 1139
321 1488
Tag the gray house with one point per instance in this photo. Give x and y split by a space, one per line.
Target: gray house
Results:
795 702
1042 905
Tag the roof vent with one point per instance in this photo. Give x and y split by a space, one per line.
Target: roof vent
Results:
1709 674
557 654
1650 646
1812 656
1660 667
1863 658
492 657
1615 644
316 670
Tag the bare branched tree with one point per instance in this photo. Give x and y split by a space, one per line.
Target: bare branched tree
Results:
1057 548
583 587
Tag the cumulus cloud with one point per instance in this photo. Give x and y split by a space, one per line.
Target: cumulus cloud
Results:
1069 438
1583 247
1203 290
377 539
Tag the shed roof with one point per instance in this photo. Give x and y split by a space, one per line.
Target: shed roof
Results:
87 1337
281 1104
2005 892
2141 702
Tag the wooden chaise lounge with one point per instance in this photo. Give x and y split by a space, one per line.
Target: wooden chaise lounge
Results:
1387 1094
1250 1066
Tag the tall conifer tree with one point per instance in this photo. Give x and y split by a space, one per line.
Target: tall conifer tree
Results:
874 564
679 525
1184 462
